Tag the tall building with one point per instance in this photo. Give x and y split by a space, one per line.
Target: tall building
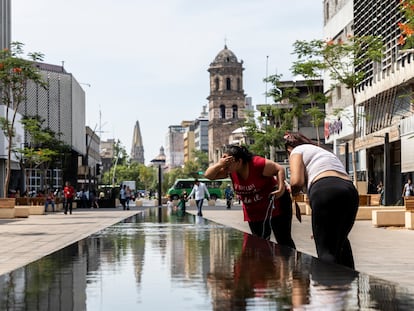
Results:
137 149
384 150
226 101
5 24
62 106
174 149
201 131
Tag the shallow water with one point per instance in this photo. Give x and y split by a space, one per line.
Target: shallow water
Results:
160 260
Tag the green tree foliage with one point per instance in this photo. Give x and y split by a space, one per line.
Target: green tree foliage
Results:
342 61
15 73
44 148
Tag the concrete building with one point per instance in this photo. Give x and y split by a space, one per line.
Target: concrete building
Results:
107 157
88 177
201 131
62 106
174 146
5 24
226 101
189 144
384 150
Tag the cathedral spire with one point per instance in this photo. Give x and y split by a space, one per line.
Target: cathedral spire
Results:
137 149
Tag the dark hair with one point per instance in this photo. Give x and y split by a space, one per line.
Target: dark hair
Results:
238 152
294 139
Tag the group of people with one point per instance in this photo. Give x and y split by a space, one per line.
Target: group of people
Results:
125 195
267 202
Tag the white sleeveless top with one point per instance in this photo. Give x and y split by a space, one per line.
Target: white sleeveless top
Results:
318 160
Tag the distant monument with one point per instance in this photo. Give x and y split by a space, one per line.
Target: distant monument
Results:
137 149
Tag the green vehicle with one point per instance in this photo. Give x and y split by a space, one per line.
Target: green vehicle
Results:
215 187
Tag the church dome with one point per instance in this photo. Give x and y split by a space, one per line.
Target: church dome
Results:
225 56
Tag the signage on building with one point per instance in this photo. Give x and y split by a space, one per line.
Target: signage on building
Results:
339 126
407 144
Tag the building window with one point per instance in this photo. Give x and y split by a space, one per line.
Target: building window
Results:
338 92
234 111
222 112
228 84
216 84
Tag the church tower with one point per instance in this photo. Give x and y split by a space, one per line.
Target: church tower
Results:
226 101
137 149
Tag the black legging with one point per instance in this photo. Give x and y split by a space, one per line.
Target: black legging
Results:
334 202
281 225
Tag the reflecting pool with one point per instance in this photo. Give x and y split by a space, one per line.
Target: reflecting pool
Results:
163 260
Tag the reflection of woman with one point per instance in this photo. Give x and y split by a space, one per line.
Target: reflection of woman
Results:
332 196
254 183
264 269
331 287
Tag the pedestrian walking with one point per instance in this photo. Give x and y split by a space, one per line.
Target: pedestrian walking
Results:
199 192
407 189
68 195
122 196
228 194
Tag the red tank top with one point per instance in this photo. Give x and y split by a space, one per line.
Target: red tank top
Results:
254 191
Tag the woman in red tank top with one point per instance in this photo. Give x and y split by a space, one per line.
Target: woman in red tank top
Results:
257 181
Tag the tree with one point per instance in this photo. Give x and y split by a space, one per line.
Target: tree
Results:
43 148
15 73
406 38
342 60
274 120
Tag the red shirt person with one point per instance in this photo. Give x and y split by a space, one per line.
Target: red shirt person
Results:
260 184
68 194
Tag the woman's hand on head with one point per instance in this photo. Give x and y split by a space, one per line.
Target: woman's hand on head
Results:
226 160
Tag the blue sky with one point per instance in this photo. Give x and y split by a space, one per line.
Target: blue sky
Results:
148 60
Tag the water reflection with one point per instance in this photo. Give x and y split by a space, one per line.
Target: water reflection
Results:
164 259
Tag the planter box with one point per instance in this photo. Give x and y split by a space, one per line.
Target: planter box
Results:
36 209
7 209
409 203
364 200
22 211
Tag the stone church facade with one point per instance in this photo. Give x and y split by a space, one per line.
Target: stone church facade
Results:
227 101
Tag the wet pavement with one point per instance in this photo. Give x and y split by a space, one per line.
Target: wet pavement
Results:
158 259
379 252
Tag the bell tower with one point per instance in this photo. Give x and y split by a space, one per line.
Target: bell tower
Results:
226 101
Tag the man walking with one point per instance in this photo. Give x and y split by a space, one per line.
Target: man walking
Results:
199 192
68 193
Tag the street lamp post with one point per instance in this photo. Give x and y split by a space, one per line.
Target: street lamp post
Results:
159 163
159 160
116 162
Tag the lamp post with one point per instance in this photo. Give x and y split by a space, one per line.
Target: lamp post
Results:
159 160
116 162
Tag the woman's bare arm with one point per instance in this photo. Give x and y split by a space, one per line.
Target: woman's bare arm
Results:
273 169
219 170
297 173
